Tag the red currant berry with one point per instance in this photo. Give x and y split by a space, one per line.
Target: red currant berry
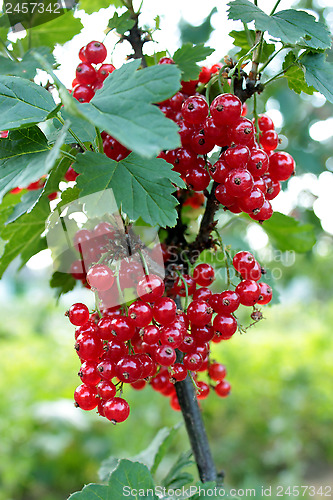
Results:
224 326
203 274
216 134
258 163
248 291
185 159
89 374
139 385
197 178
223 389
219 171
217 371
242 132
195 110
178 372
265 123
106 390
78 314
117 410
89 348
165 355
227 302
203 390
82 54
253 202
266 293
202 294
223 196
115 350
171 336
95 52
225 109
243 261
189 344
86 74
123 328
85 397
106 369
239 182
269 140
192 361
140 313
273 188
264 213
164 310
129 369
237 156
150 334
200 143
166 60
281 166
70 175
202 333
179 287
104 71
150 288
204 75
82 93
174 403
199 313
252 274
100 277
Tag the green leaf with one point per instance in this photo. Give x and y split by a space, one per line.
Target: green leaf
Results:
23 236
123 107
107 467
197 34
295 75
176 477
187 57
153 455
27 202
319 74
141 187
121 23
59 30
22 103
241 40
25 156
27 67
287 233
96 5
62 282
128 476
22 158
290 26
152 60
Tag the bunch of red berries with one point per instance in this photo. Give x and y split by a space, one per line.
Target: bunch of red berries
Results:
152 342
248 176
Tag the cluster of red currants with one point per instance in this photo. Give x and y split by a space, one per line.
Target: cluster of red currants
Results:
153 342
248 174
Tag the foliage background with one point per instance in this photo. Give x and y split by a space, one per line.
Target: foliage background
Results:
276 427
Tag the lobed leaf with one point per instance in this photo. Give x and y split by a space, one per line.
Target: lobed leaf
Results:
287 233
319 73
187 57
22 103
290 26
143 188
123 107
295 75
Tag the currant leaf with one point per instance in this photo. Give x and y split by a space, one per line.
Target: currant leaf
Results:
287 233
319 73
22 103
124 107
187 57
121 23
62 282
143 188
241 40
90 7
25 156
290 26
26 68
295 75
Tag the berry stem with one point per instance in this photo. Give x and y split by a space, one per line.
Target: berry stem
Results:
99 141
196 430
275 7
281 73
144 263
186 288
97 304
78 140
68 155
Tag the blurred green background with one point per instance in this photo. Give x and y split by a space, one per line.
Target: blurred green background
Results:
276 427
